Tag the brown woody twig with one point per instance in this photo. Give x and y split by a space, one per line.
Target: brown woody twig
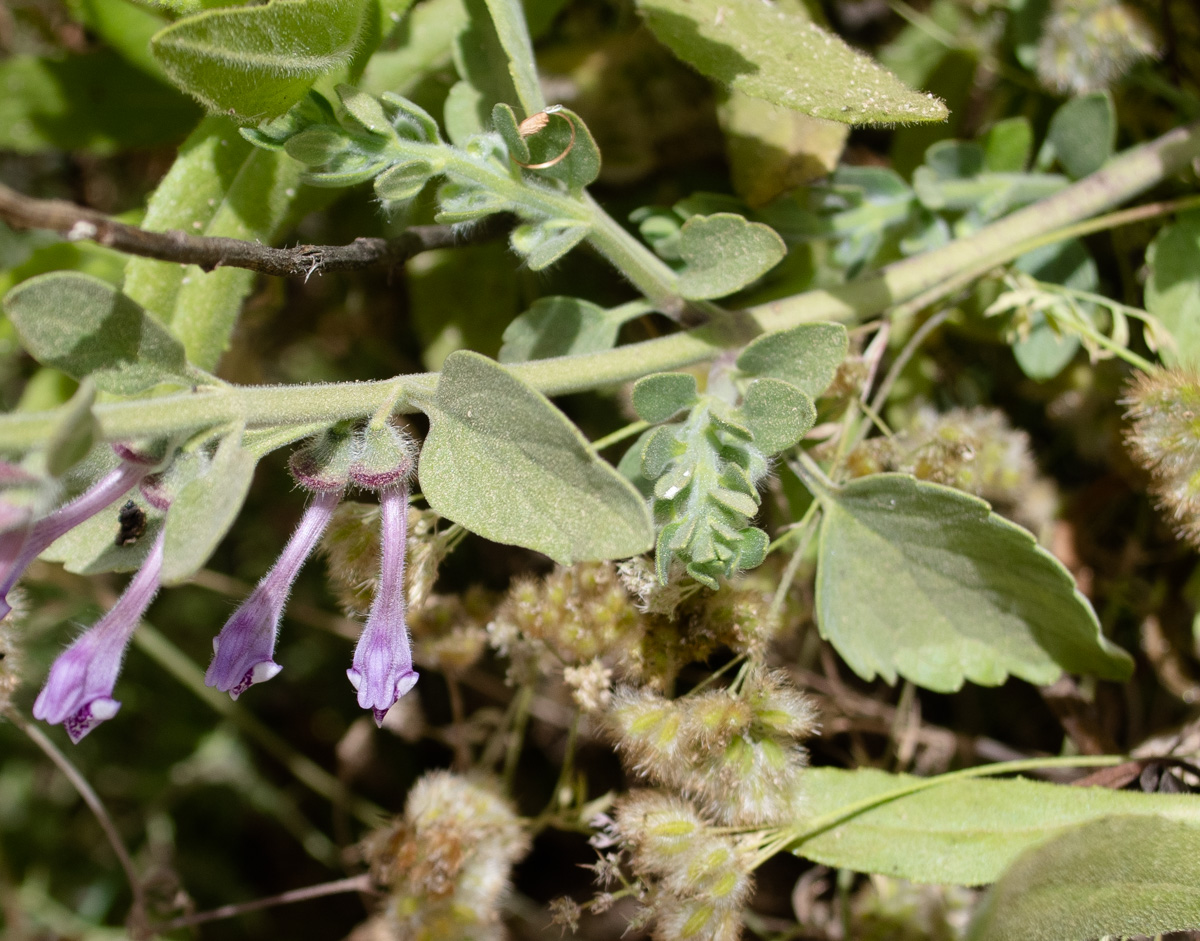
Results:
79 223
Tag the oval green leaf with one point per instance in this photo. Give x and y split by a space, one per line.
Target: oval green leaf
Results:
502 461
724 253
254 63
86 327
204 509
806 356
765 52
777 414
657 398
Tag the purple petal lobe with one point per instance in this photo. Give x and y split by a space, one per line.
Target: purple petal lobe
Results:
90 716
78 691
382 670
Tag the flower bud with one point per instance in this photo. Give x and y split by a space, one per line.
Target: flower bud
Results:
384 456
323 465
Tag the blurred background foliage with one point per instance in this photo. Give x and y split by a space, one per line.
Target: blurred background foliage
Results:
212 796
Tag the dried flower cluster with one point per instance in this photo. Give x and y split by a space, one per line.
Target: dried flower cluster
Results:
1087 45
975 450
446 862
1165 439
735 752
694 881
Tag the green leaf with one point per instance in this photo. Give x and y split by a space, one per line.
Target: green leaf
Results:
777 414
204 509
502 461
961 832
566 133
75 431
563 326
86 327
505 123
806 356
219 186
724 253
923 581
1008 145
1083 134
782 57
404 181
508 18
1121 876
254 63
661 396
1173 288
544 243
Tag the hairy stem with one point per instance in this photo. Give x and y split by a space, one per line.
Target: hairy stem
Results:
265 406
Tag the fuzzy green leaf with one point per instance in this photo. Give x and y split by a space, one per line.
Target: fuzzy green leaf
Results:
724 253
86 327
544 243
404 181
502 461
508 19
219 186
777 414
563 326
1083 134
580 166
254 63
923 581
1173 288
962 832
786 59
1120 876
806 356
661 396
204 509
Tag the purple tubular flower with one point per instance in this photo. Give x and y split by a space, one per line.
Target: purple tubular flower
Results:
382 670
78 691
244 651
41 534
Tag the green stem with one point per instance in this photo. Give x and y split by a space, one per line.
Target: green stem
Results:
647 272
262 406
635 428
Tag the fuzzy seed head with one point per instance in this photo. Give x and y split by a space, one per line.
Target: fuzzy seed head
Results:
1088 45
736 754
697 880
447 861
1165 439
